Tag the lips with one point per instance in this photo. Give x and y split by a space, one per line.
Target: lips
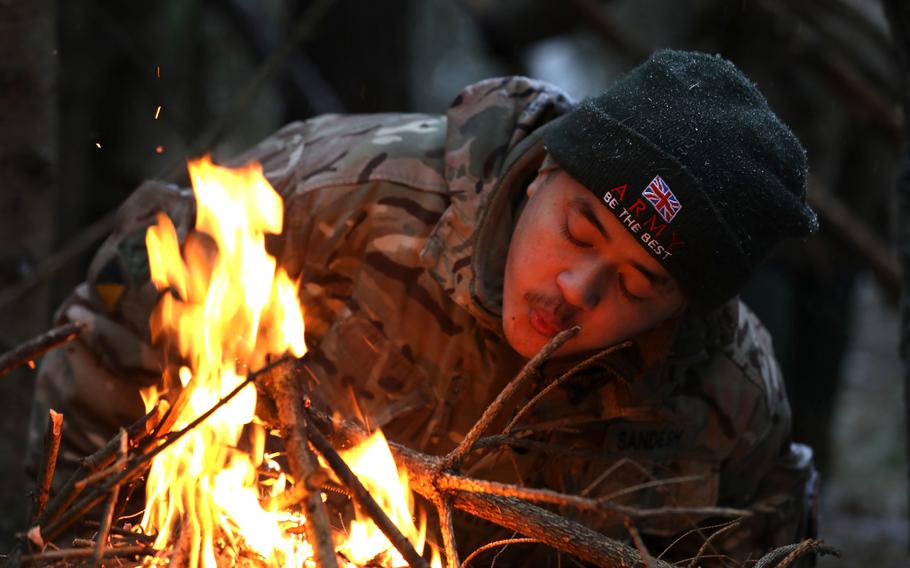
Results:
545 323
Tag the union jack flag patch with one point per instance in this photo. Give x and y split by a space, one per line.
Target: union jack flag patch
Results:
659 195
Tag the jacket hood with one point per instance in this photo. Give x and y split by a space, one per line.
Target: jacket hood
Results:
492 149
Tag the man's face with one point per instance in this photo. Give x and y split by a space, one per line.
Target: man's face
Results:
571 262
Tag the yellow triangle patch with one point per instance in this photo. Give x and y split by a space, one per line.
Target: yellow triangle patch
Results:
110 294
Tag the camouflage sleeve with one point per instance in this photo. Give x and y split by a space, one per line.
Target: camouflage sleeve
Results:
766 473
95 380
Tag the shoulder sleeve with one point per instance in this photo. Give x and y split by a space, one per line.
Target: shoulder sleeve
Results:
767 432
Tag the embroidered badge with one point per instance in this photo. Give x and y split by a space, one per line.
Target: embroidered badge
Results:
659 195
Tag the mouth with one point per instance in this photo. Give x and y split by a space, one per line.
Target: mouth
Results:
545 323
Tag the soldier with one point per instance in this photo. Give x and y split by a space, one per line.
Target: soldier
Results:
438 253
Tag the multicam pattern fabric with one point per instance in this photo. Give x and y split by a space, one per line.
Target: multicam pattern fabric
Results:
398 226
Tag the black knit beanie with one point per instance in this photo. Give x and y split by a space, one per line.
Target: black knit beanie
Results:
685 151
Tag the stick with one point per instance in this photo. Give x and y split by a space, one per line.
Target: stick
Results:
69 553
551 529
363 498
494 544
292 415
454 458
707 543
49 464
447 527
639 544
37 346
786 555
108 514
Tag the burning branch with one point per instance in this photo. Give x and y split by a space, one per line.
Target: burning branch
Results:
363 498
291 414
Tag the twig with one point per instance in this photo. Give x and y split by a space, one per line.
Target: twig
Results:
94 462
37 346
785 555
531 368
108 514
509 429
494 544
639 544
363 498
452 482
73 553
292 415
714 536
48 464
447 527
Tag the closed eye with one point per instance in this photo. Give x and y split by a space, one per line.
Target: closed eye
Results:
568 236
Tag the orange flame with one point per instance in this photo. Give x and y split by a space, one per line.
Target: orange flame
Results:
229 308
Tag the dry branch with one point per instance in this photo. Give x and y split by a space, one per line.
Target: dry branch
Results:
426 478
37 346
447 528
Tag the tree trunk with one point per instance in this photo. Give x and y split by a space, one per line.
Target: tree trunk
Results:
28 159
898 12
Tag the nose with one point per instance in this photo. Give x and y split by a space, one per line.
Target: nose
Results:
583 285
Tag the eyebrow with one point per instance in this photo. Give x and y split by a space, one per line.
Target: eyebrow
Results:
584 208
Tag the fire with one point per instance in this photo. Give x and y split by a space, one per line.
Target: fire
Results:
228 309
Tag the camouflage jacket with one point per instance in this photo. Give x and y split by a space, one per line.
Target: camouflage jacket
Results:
398 225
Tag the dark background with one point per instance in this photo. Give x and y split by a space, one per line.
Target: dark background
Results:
80 83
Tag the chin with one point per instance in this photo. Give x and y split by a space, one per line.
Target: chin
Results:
522 339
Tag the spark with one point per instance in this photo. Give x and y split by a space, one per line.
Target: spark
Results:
159 149
157 112
158 71
98 144
31 364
